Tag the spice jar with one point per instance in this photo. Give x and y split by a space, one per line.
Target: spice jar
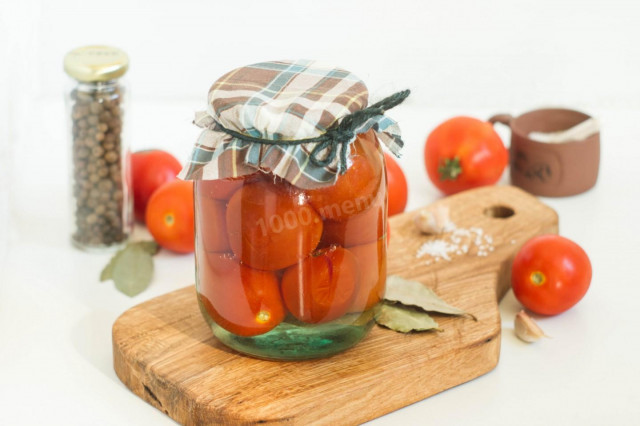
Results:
290 209
102 197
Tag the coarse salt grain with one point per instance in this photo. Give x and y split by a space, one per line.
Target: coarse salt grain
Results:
437 249
459 241
462 232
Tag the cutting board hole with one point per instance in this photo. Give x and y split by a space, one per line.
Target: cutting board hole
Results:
499 212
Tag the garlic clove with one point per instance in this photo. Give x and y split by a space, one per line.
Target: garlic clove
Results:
434 220
526 328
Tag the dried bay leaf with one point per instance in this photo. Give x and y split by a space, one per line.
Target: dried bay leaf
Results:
150 247
131 268
413 293
404 319
107 271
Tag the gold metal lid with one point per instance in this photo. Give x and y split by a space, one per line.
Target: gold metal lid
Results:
96 63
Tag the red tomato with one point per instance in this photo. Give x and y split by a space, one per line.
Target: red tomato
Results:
223 189
365 227
170 216
356 189
149 171
464 153
321 288
550 274
271 225
211 215
373 274
241 300
388 233
397 186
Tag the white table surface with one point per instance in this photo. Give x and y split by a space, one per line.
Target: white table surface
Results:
55 317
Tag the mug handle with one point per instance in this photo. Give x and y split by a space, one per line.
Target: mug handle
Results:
502 119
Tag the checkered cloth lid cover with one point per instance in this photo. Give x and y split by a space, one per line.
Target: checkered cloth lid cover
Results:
279 101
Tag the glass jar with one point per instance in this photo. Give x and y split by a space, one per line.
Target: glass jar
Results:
291 208
289 273
101 185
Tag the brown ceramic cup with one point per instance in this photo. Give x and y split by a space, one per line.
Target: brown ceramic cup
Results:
551 169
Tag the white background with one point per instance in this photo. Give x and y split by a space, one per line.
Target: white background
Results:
458 57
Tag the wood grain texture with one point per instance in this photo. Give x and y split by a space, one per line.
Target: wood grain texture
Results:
166 354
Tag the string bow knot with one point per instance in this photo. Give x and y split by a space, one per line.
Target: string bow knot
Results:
336 138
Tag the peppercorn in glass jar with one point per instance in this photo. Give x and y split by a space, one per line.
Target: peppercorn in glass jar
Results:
102 200
290 209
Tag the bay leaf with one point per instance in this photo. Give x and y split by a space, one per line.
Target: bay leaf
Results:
404 319
413 293
150 247
107 271
132 270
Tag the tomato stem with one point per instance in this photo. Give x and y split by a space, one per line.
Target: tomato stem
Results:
450 169
538 278
169 219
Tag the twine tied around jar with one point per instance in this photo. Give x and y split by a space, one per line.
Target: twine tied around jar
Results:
337 136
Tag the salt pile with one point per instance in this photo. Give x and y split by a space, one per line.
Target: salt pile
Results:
460 241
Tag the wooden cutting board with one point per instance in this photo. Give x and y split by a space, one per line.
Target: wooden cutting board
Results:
165 353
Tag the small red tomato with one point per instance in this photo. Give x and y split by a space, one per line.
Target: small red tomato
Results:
149 171
271 226
322 287
464 153
362 228
388 233
373 274
221 189
212 223
355 190
170 216
397 186
241 300
550 274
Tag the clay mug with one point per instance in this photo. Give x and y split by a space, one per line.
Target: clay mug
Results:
551 169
